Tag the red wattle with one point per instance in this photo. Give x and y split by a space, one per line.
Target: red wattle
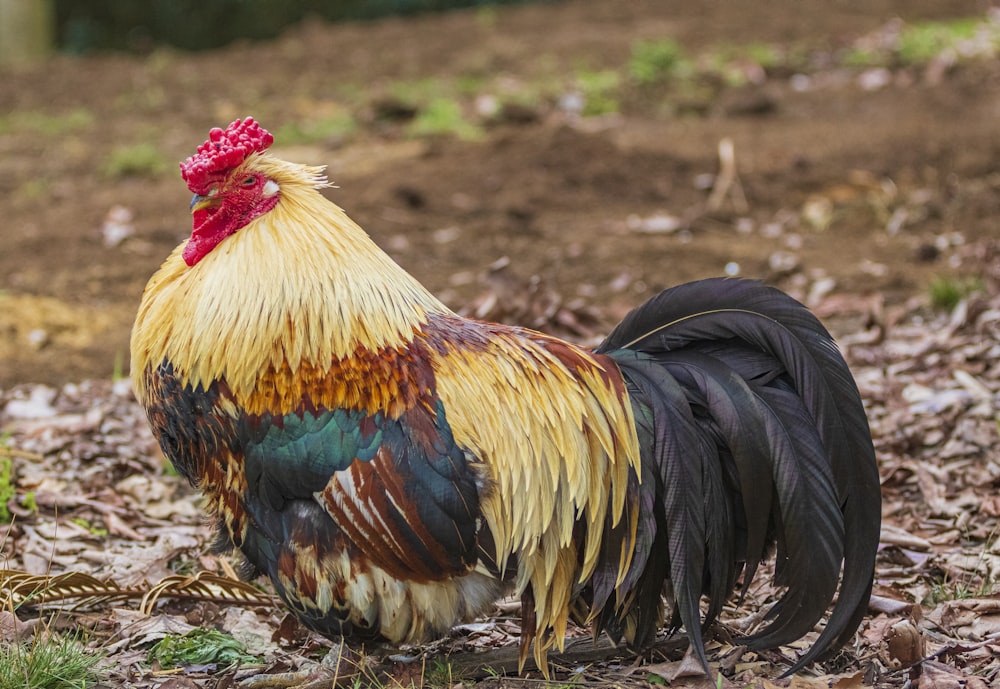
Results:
212 224
209 227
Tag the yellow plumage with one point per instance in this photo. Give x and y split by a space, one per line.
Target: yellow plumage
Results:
557 444
255 304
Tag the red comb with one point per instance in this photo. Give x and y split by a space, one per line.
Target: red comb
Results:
223 151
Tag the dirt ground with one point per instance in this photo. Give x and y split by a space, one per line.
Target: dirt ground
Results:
872 187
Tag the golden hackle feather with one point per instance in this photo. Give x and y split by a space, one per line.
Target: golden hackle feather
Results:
219 328
560 453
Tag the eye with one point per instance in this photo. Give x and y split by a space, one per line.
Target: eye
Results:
249 181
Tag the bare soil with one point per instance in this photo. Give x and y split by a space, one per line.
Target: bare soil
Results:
548 192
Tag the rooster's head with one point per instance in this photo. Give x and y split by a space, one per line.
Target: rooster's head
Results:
228 191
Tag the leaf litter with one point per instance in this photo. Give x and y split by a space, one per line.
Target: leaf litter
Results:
108 540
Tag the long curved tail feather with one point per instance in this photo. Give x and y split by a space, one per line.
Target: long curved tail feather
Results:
756 434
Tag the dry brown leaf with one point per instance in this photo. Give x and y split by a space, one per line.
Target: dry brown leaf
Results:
889 606
138 630
179 683
12 629
931 385
973 618
689 669
936 675
119 527
247 627
848 680
893 534
904 645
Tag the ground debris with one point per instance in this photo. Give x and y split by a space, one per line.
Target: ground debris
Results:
93 497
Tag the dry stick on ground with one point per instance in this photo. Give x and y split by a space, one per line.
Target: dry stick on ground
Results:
504 660
15 453
727 183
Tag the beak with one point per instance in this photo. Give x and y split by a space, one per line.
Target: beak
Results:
202 202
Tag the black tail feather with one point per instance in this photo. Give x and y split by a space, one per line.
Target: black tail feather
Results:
675 452
732 408
812 533
746 390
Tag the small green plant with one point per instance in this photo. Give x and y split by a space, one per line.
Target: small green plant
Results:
339 125
653 61
600 92
469 85
118 367
441 674
764 54
421 91
947 292
976 581
183 565
444 116
862 57
493 673
45 124
138 160
949 588
919 43
94 530
199 647
6 478
48 661
32 190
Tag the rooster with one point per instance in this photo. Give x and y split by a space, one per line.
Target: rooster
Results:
394 468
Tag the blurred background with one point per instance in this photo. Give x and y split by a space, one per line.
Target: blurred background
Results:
550 163
81 27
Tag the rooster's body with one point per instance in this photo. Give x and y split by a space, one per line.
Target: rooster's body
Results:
394 468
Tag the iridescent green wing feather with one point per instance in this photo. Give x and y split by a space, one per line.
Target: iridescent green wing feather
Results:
400 490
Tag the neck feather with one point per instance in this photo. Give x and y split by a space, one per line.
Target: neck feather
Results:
302 284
